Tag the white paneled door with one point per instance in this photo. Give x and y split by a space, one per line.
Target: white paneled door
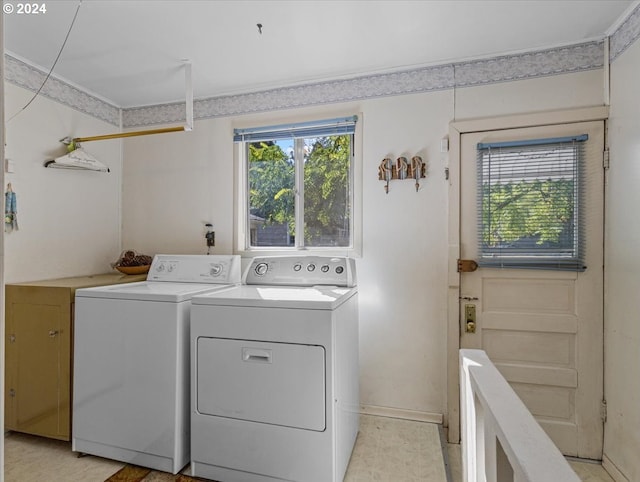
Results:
542 328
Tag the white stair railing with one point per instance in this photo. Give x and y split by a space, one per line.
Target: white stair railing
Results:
501 441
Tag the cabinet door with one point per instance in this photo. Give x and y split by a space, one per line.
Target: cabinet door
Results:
38 387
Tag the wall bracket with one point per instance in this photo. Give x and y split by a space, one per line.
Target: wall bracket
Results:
186 128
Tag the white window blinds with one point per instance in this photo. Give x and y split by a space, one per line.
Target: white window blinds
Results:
321 128
529 203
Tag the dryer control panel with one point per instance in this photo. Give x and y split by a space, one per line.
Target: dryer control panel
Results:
184 268
301 271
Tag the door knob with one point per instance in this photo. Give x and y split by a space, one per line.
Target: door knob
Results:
470 327
53 333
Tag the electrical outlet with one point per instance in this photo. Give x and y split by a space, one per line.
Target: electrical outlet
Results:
210 236
211 239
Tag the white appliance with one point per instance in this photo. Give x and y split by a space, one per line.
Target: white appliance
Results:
274 373
131 361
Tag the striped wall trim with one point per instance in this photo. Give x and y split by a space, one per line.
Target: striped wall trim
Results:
576 58
31 78
625 35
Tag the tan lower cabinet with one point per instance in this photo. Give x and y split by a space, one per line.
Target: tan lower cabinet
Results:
39 352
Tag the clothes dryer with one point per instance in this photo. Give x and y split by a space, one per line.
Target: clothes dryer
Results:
131 361
274 373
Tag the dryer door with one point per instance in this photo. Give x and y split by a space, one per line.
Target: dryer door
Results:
274 383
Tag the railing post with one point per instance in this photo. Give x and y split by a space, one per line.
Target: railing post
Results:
469 423
480 452
504 471
491 474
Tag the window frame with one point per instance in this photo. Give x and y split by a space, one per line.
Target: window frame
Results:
242 229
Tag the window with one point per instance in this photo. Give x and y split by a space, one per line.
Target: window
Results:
529 204
298 185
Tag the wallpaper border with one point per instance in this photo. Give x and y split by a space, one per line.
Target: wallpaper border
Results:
625 35
575 58
24 75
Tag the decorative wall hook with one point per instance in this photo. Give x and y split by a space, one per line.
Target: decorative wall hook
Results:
417 166
385 172
401 169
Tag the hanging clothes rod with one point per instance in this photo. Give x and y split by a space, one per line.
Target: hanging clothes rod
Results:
185 128
130 134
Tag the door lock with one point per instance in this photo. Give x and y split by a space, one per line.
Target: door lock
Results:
470 318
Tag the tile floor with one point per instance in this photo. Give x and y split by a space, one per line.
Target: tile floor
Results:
387 450
35 459
587 471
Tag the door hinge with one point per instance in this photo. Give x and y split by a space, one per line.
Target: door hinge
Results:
467 265
605 159
603 411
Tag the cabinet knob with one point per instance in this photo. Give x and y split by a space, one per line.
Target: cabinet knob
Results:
53 333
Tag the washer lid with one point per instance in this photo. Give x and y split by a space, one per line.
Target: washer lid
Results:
150 291
305 297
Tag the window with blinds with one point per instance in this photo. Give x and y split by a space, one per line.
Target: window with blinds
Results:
529 203
299 184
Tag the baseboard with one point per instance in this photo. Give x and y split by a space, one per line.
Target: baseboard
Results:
612 470
401 413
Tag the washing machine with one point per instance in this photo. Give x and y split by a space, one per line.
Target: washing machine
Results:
131 394
274 373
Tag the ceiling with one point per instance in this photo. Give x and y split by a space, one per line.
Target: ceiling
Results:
131 53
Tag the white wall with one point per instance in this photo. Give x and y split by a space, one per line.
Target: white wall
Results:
551 93
69 221
403 297
622 264
174 183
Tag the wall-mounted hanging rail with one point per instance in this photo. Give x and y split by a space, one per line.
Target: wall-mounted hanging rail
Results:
187 127
130 134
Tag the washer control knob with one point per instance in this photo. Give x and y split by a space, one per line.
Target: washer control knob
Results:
311 267
215 270
160 267
339 269
325 268
297 267
261 269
